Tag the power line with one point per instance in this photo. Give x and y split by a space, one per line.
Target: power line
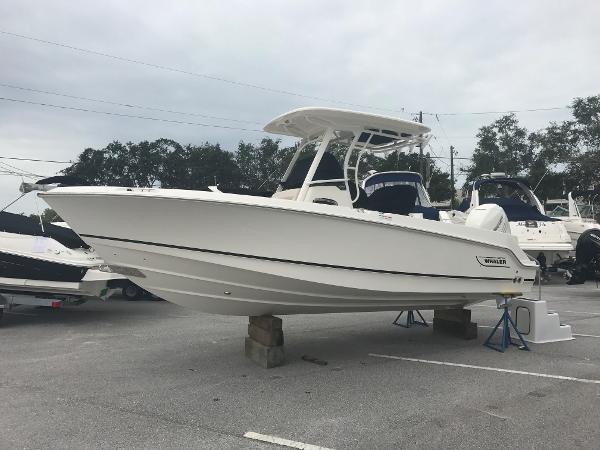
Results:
12 170
195 74
35 160
554 108
127 105
435 156
447 157
108 113
11 167
260 87
443 130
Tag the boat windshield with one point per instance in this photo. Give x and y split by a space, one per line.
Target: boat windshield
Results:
330 167
506 192
513 196
559 211
587 211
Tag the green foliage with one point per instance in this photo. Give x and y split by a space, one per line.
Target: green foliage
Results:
48 216
253 166
262 166
557 159
502 147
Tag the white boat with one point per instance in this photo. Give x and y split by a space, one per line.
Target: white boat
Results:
542 237
52 261
579 216
313 247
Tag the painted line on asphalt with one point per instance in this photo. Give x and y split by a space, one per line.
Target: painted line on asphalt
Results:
491 369
20 314
574 334
281 441
580 312
550 310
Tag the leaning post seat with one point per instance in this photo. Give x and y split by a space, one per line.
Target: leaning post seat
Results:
397 199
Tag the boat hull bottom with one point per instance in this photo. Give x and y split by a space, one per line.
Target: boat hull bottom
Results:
213 284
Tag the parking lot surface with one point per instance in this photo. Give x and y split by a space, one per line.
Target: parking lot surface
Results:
149 374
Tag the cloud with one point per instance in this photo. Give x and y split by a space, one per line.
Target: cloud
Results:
434 56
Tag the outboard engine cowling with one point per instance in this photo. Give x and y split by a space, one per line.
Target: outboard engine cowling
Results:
587 257
488 217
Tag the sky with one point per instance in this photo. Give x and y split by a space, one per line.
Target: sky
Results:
387 57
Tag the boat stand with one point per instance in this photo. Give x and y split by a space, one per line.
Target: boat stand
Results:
410 319
506 339
264 343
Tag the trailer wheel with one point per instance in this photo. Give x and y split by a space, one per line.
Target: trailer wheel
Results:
131 292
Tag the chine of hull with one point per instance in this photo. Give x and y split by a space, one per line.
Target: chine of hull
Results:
216 255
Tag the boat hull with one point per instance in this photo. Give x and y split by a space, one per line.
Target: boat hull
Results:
548 238
576 227
94 284
238 255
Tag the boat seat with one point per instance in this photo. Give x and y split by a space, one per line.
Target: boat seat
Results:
398 199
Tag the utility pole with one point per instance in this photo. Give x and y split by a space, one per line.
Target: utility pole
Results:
427 170
452 177
421 165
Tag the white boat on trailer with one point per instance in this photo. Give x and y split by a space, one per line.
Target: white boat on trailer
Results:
313 247
43 264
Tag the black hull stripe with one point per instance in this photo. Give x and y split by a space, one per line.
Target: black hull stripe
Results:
289 261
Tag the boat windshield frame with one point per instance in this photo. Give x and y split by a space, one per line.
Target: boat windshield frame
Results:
575 208
361 140
519 183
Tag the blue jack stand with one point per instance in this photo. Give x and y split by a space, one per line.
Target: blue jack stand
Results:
410 319
506 339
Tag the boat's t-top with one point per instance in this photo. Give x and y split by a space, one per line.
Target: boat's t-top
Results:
315 173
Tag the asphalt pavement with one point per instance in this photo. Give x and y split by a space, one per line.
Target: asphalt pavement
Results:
149 374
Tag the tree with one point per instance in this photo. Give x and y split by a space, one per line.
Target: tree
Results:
262 166
556 159
584 166
502 147
48 216
163 161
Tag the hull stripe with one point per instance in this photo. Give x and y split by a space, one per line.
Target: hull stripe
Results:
289 261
